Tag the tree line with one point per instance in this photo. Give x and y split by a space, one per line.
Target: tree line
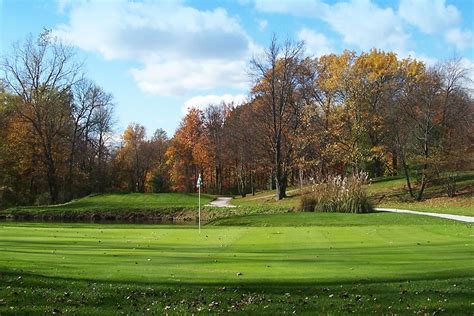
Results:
310 118
56 125
306 119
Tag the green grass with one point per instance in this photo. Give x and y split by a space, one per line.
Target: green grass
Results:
304 262
265 200
390 184
446 205
130 201
327 219
392 193
309 263
383 192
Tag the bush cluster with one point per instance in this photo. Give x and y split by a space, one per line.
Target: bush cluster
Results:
338 194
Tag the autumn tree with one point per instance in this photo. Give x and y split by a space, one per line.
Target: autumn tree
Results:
246 153
276 84
159 180
456 127
323 141
101 139
19 172
306 118
91 117
41 72
183 168
135 156
441 116
213 133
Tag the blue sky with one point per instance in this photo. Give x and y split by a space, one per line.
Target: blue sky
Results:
160 57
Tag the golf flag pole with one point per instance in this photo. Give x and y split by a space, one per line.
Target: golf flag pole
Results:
198 184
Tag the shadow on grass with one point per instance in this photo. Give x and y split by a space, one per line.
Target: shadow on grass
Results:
425 294
38 280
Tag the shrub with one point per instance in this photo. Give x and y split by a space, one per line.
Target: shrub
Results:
337 194
307 202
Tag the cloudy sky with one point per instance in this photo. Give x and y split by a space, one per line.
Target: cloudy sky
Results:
159 58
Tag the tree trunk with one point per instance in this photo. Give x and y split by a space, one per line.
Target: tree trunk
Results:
242 188
300 173
394 163
50 171
100 165
422 188
71 168
281 179
407 176
52 183
425 164
280 174
252 186
281 187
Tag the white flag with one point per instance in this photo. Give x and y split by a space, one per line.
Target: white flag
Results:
199 181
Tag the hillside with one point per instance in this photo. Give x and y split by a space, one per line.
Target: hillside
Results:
132 206
383 192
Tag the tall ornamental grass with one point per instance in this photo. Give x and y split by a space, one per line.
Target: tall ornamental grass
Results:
337 194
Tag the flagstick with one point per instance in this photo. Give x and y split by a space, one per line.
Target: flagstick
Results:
198 184
199 209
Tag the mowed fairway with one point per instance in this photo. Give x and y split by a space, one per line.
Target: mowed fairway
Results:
329 253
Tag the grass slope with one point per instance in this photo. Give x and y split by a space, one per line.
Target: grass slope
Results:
384 192
326 263
265 200
392 193
133 207
130 201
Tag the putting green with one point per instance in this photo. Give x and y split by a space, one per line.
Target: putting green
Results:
407 247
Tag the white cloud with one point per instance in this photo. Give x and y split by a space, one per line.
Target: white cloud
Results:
459 38
360 22
203 101
430 16
429 61
177 76
365 25
181 48
316 44
468 64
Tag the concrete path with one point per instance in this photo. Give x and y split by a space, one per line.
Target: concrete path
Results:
460 218
224 202
221 202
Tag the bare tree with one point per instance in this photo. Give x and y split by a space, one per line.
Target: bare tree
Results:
88 101
42 71
103 121
455 79
214 130
276 82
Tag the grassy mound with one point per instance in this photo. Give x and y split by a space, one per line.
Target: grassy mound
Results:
132 206
126 201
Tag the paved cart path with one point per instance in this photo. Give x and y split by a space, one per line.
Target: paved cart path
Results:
225 202
221 202
460 218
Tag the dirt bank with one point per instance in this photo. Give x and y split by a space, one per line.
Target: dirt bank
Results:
168 216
